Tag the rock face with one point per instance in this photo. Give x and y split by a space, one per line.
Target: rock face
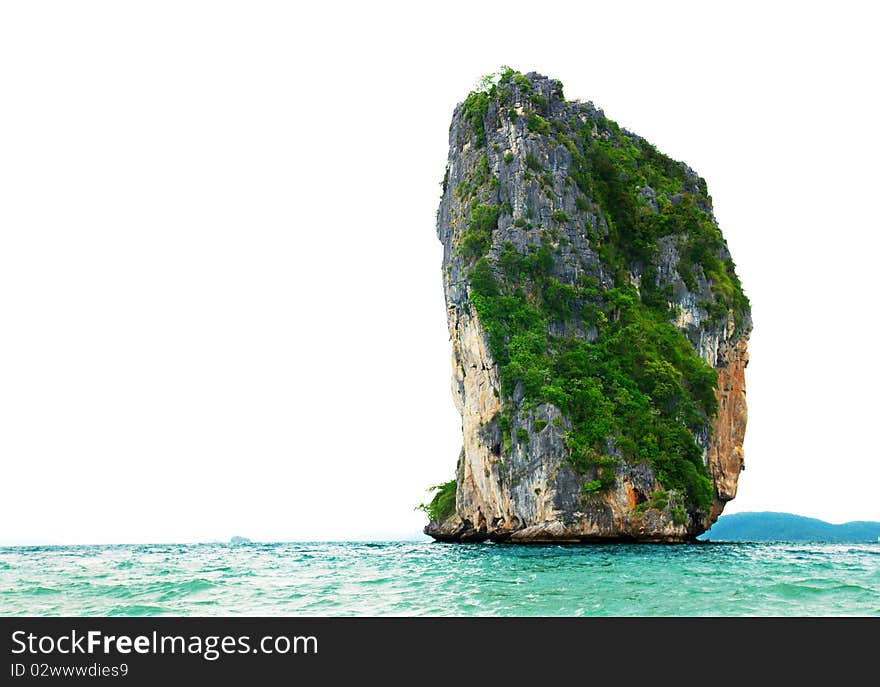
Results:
599 331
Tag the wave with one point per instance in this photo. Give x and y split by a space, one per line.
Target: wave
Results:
427 579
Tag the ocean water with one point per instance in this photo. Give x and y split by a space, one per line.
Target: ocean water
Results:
427 579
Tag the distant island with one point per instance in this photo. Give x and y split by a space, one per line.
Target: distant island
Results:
768 526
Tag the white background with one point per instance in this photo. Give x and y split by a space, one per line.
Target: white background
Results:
221 308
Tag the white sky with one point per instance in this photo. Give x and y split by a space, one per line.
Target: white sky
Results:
221 308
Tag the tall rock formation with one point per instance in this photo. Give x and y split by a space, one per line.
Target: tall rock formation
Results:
599 331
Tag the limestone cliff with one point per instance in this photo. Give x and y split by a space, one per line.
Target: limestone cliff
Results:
599 331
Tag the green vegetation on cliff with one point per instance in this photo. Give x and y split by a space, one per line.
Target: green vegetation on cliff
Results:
442 505
629 382
639 385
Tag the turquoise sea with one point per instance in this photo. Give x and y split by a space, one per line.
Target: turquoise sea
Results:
424 579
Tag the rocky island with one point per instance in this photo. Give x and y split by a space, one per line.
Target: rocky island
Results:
599 331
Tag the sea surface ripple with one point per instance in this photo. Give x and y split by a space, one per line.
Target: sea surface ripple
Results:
427 579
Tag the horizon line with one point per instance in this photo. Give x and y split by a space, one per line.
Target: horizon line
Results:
362 539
